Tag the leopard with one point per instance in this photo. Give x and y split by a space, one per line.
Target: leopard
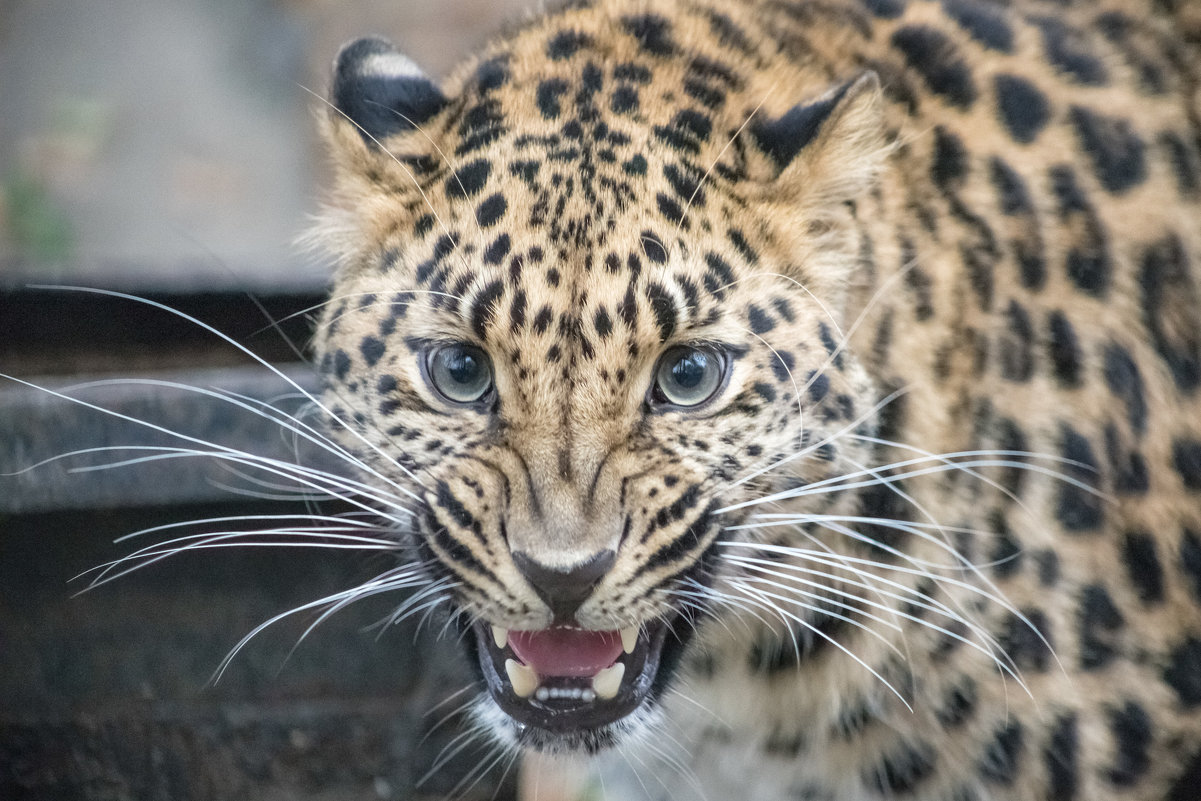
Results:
791 399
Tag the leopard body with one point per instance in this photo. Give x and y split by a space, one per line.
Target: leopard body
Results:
937 534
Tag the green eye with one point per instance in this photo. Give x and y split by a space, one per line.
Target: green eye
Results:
461 373
687 376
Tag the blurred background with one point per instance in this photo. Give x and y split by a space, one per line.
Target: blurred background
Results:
167 149
168 142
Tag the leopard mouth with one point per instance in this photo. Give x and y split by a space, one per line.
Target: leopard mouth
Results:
567 681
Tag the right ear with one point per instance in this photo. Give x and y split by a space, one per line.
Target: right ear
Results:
380 91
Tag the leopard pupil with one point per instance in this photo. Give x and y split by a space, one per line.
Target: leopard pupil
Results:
689 372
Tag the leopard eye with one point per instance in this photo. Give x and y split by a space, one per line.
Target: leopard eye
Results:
461 373
688 376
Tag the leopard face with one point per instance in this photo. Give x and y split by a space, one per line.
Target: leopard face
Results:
801 355
579 395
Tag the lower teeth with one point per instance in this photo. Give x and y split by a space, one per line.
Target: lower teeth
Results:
572 693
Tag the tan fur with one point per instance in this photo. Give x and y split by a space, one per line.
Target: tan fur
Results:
859 233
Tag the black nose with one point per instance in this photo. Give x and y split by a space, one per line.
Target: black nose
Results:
564 589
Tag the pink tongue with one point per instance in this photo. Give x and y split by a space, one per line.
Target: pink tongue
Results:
563 651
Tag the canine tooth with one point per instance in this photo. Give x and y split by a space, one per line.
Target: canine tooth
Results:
629 638
523 679
500 637
606 683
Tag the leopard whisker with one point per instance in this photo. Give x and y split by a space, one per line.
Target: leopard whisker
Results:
790 616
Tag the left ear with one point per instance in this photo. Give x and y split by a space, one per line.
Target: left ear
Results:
827 150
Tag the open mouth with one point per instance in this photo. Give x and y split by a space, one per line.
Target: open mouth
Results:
564 679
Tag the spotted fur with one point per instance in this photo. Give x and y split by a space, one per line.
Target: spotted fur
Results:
950 250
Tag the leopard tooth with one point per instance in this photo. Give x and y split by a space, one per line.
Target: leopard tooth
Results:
606 683
523 679
500 637
629 638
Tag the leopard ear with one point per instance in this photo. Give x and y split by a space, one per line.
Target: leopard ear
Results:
828 149
380 91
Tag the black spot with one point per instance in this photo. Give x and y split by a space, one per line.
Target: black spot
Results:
1017 356
1184 163
1143 567
480 126
819 387
423 226
543 319
885 9
761 322
1087 262
548 94
491 210
1028 642
635 166
1023 107
492 74
1006 554
922 288
688 129
664 310
632 72
1118 154
1099 621
552 276
624 100
832 348
1078 510
1129 468
386 384
517 311
603 323
1190 560
1048 568
718 275
469 179
483 307
341 364
985 24
565 44
372 349
782 364
1132 737
652 32
1186 455
704 93
1066 48
496 252
670 209
934 56
949 167
1170 308
1122 376
999 764
652 247
959 704
764 390
1025 237
686 183
1183 672
1060 757
1064 350
901 771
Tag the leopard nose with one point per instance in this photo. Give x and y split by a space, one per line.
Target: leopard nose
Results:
564 589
